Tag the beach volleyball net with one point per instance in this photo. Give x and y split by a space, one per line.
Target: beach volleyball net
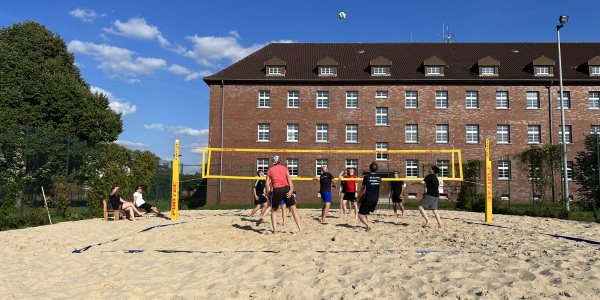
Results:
412 165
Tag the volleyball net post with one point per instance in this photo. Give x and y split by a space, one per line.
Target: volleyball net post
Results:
488 183
175 185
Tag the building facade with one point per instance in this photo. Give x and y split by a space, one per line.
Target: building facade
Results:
399 96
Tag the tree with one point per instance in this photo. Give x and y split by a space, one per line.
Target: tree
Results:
40 86
541 161
585 173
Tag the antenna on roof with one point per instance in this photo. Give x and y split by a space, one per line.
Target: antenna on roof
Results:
446 35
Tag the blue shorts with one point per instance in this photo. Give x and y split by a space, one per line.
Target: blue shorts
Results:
326 196
282 202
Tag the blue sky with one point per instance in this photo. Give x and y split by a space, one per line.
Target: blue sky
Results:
149 57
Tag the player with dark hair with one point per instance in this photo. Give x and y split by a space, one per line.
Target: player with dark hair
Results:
370 188
259 194
325 182
431 196
396 191
351 193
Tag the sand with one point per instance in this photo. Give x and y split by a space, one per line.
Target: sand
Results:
225 255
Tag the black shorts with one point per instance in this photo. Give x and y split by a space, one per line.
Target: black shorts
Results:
350 196
367 207
261 199
146 206
280 194
397 198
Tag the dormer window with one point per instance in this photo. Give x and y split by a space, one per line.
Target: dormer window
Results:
594 66
275 70
488 66
327 67
381 66
275 67
379 70
595 70
542 70
434 66
327 70
487 70
543 66
434 70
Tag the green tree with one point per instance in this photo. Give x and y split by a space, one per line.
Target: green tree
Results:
585 173
41 86
541 162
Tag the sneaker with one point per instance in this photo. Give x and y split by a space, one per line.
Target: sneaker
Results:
147 216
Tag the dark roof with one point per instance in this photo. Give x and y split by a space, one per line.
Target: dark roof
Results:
516 61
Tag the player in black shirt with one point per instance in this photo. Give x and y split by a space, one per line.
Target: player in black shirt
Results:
431 196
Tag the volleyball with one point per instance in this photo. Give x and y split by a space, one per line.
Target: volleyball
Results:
342 15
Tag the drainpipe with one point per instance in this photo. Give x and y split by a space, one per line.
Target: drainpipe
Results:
551 134
221 156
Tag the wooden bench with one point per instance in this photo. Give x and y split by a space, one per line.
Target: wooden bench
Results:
115 212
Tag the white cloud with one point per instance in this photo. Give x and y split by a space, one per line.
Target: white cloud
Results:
116 104
131 144
179 70
196 75
134 80
180 130
139 29
86 15
117 60
158 127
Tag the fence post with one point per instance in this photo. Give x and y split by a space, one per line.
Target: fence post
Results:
25 165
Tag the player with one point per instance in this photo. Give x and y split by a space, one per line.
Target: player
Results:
397 194
430 198
370 188
260 197
351 194
325 182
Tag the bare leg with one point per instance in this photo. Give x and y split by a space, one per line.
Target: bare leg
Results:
296 217
254 210
355 210
274 219
395 209
324 211
402 208
263 214
127 204
437 217
422 210
284 214
366 219
130 211
264 209
344 208
155 210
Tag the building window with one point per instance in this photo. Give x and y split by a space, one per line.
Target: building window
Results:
412 99
264 132
533 134
322 132
535 173
326 70
595 70
501 99
381 147
441 99
262 164
533 100
594 129
565 99
320 163
594 100
434 70
472 133
441 133
412 133
352 163
351 99
293 99
292 132
443 166
472 99
412 168
381 94
352 133
503 134
567 134
504 170
569 170
275 70
379 70
292 165
322 99
542 70
264 99
381 116
488 70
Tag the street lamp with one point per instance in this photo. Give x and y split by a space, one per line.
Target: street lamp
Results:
562 20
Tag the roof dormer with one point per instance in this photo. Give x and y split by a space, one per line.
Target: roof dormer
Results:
488 66
381 67
434 66
594 66
543 66
275 67
327 67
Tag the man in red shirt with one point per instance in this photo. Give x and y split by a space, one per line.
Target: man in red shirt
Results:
351 192
279 178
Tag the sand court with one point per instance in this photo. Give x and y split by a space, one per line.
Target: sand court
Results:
225 255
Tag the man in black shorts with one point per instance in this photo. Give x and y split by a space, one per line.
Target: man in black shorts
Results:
430 198
397 191
370 187
278 177
351 193
258 192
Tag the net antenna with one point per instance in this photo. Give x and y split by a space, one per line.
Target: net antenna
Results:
446 35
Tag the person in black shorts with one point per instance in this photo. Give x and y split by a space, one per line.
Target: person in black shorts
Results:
279 180
116 202
370 188
396 192
140 203
431 196
259 194
351 194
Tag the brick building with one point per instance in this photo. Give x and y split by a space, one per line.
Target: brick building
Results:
384 96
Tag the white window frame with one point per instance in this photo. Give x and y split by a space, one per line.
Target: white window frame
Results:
381 146
594 100
264 99
380 70
566 99
569 171
488 71
441 99
352 162
542 70
412 99
412 168
352 99
323 99
322 133
434 70
327 70
568 134
262 164
293 99
472 133
441 133
472 99
320 162
594 129
411 133
381 94
292 165
595 70
444 169
293 133
351 133
275 70
533 100
503 134
503 170
381 116
534 134
502 99
264 132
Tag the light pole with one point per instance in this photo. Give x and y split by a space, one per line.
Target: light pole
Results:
562 20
